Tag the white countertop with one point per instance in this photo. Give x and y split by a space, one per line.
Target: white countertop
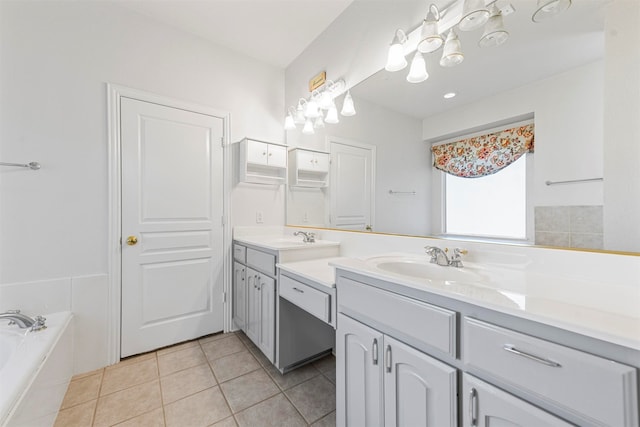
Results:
283 243
316 270
600 311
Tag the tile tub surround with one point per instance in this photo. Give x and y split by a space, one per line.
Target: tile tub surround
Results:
219 380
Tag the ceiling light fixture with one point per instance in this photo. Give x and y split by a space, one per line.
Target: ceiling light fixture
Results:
310 111
449 95
418 71
430 38
494 32
474 15
549 9
395 58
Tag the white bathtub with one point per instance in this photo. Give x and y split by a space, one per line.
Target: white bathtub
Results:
35 370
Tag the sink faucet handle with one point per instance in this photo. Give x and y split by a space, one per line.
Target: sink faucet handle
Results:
458 251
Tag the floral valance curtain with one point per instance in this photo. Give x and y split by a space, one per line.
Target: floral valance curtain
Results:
485 154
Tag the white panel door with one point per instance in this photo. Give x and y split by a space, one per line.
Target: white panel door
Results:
172 203
352 186
418 389
359 361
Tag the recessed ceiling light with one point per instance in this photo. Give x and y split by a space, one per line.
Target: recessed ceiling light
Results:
449 95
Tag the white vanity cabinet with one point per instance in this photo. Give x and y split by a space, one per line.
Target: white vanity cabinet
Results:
239 296
261 319
484 405
308 168
262 162
382 381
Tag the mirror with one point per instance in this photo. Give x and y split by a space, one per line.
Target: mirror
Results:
552 73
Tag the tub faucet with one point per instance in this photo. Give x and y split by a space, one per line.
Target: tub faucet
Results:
438 256
308 237
24 321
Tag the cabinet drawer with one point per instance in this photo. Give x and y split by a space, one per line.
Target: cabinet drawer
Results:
410 318
599 391
239 253
262 261
311 300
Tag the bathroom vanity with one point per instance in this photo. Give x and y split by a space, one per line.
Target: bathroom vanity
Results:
286 315
416 351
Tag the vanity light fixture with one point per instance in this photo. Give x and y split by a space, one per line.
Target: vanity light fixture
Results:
310 111
395 58
474 15
547 9
494 32
430 38
348 109
308 127
418 71
452 52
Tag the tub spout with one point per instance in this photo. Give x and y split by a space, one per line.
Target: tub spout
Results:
24 321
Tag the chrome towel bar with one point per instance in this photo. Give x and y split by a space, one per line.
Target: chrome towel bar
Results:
31 165
573 180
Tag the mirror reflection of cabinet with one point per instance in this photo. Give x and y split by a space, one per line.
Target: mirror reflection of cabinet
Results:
308 168
262 162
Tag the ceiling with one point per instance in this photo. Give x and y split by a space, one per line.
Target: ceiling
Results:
273 31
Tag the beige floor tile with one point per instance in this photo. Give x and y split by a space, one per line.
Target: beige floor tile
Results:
248 390
186 382
177 347
214 337
82 390
129 375
331 376
314 398
131 402
223 347
181 359
234 365
292 378
274 412
327 421
200 409
259 355
78 416
326 364
87 374
227 422
154 418
132 360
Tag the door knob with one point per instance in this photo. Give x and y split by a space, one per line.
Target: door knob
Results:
368 228
132 240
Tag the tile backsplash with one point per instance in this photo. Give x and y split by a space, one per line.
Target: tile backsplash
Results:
569 226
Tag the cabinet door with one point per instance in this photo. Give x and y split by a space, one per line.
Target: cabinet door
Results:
418 389
239 295
267 324
277 156
322 162
305 160
487 406
359 389
252 322
257 152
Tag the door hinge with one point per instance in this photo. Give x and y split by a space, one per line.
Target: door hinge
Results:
222 141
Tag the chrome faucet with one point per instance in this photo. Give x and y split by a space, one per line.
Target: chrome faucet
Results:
308 237
438 256
24 321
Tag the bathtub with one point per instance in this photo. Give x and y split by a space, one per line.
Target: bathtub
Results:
35 370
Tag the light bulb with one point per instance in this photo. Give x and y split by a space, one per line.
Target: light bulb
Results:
288 122
311 111
418 71
308 127
332 114
348 108
452 52
494 32
474 15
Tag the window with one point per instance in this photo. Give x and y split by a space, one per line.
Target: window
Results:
489 206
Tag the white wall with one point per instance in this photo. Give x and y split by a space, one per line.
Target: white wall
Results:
56 60
568 110
622 127
402 164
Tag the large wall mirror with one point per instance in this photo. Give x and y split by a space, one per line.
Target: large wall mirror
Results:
556 74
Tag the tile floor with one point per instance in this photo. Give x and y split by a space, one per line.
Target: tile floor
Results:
220 380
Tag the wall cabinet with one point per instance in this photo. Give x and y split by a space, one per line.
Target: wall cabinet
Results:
308 168
382 381
262 162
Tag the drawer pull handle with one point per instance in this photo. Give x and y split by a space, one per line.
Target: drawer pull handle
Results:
473 407
388 359
298 290
543 360
374 351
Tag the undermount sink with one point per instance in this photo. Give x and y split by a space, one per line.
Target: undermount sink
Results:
423 269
